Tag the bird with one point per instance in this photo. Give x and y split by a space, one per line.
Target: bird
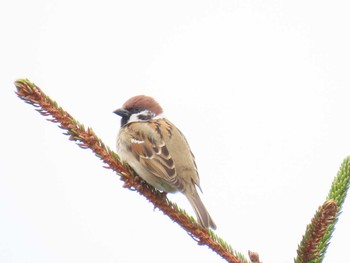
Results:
159 153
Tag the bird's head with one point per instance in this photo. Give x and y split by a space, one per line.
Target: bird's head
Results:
139 108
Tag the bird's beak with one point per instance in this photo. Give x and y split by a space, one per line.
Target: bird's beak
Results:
122 112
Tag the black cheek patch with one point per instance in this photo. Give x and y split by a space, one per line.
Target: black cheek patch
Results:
145 117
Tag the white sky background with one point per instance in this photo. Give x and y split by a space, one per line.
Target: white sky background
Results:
259 88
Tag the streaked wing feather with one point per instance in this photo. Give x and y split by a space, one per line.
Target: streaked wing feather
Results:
154 155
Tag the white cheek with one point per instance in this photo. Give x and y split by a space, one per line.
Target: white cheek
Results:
134 118
159 116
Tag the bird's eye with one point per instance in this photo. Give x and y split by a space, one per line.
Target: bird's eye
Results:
134 110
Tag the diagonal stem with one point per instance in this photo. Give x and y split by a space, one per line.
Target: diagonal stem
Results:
86 138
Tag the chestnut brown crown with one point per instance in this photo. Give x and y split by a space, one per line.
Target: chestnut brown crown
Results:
142 102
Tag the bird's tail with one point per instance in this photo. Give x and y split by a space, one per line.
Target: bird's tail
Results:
203 217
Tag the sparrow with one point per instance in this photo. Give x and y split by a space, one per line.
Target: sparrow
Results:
159 153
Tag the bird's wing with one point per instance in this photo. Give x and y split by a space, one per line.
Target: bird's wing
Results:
147 144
